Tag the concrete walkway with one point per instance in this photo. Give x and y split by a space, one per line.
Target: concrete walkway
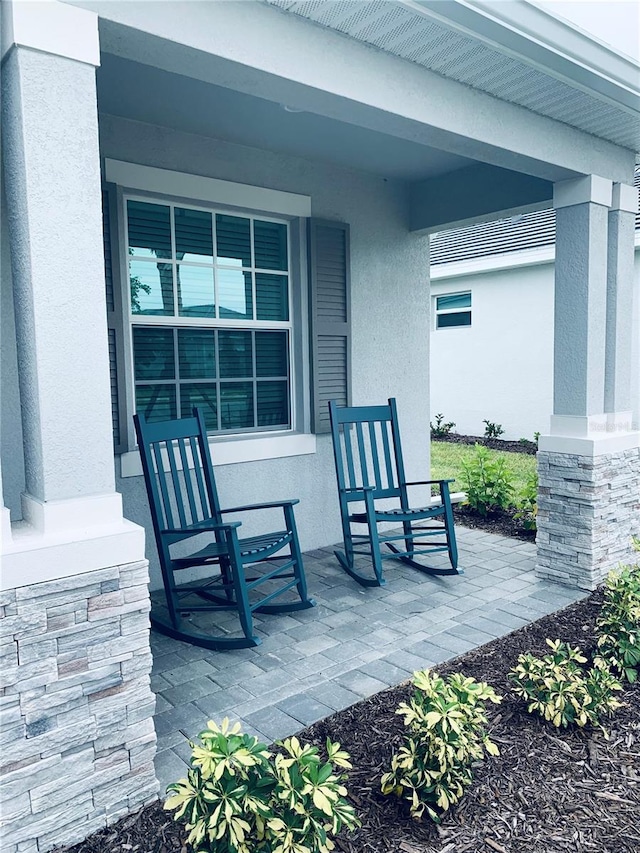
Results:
354 643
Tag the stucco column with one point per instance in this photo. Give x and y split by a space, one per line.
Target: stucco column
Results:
52 178
589 464
620 306
51 162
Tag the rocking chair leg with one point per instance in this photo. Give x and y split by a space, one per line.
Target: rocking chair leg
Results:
373 537
296 553
349 568
449 526
241 596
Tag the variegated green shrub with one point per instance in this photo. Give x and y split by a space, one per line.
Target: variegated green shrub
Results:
618 625
559 689
447 732
240 798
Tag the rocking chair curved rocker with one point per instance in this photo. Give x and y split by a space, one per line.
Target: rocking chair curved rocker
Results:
370 468
184 505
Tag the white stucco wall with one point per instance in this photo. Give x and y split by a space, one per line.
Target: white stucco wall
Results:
501 368
389 275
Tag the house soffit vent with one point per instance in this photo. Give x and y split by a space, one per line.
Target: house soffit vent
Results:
408 34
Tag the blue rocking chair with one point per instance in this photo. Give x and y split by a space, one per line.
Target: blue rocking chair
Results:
369 468
184 505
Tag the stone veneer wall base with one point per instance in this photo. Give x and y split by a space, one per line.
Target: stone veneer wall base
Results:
588 510
76 710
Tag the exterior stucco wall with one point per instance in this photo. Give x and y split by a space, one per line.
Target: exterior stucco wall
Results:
389 276
501 368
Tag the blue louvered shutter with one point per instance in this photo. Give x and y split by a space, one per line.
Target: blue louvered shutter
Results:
328 244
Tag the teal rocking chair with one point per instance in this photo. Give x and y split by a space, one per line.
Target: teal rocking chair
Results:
184 505
369 469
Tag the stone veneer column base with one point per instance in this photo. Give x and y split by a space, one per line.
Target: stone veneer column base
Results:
76 710
588 509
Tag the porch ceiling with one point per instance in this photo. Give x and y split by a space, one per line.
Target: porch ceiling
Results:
130 89
515 51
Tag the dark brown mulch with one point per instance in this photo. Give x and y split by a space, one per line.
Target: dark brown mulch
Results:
549 791
501 522
522 446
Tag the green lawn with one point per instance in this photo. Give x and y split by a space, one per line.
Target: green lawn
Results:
446 458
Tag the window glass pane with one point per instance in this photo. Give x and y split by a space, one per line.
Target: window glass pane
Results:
460 318
272 356
272 297
273 404
151 286
194 235
195 291
196 353
455 300
203 395
235 353
153 356
236 405
270 245
233 240
234 294
149 229
156 402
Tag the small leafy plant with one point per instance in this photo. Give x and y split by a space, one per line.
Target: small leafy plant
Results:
488 481
618 625
240 798
527 508
440 428
561 690
447 724
492 430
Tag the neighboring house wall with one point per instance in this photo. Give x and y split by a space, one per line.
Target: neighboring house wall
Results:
388 280
501 367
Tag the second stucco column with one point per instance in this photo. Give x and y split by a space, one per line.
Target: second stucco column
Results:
589 464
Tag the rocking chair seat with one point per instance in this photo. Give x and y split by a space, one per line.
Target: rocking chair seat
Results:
398 513
261 546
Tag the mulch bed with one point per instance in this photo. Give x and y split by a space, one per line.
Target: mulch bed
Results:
549 791
501 522
522 446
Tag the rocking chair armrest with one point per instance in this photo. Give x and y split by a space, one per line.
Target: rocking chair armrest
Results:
270 505
430 482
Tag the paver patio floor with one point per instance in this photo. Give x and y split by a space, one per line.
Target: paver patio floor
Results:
354 643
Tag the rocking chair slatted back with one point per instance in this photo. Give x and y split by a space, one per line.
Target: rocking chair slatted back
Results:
180 473
368 452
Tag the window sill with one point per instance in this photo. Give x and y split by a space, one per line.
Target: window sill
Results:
232 451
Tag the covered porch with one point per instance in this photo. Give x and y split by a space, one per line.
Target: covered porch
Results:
351 135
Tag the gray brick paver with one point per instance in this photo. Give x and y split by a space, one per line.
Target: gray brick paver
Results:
356 642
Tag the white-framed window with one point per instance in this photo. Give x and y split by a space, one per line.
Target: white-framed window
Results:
210 314
453 310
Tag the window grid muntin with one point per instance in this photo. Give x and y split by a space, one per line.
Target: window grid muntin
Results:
218 381
177 321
